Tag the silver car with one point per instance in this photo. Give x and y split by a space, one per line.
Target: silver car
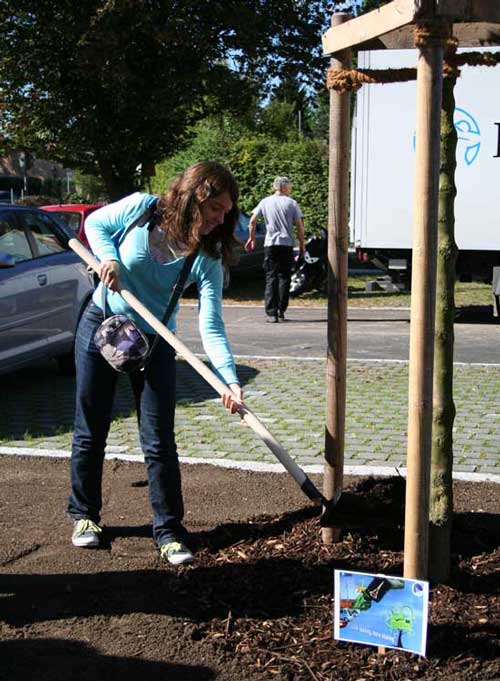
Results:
44 288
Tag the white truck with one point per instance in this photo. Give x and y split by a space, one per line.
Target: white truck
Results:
383 169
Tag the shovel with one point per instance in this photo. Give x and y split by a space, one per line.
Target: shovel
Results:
302 480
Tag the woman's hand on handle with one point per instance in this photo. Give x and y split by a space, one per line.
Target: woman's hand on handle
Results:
232 398
109 274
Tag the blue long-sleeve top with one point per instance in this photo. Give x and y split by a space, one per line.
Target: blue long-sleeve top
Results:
152 282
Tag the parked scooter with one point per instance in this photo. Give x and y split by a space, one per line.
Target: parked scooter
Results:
311 268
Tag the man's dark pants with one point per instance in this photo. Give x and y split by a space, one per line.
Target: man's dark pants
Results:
278 261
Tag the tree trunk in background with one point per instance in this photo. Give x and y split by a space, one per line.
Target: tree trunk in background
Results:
119 182
441 488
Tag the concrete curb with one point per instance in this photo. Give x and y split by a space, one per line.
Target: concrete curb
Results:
376 471
368 360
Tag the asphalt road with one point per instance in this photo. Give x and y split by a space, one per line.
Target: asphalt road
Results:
374 333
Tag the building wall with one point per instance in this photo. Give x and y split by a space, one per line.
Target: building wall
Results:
9 165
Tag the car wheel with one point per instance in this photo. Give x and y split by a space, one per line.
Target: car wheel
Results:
66 364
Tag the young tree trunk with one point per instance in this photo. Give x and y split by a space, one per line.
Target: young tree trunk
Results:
119 181
441 488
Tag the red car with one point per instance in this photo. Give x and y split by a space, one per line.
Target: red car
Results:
73 215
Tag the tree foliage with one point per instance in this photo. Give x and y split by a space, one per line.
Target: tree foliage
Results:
256 158
369 5
106 85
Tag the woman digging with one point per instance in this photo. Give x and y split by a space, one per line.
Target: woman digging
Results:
197 215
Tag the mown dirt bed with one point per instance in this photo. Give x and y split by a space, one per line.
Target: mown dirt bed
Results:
256 605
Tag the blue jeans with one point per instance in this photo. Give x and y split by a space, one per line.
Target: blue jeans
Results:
154 391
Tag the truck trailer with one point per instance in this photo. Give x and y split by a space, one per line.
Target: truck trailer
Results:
383 160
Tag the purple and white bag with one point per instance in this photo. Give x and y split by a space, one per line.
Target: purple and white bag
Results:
122 344
119 340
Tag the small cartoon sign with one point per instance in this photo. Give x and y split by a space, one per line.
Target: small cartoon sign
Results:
379 610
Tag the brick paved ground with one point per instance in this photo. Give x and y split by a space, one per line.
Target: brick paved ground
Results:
288 396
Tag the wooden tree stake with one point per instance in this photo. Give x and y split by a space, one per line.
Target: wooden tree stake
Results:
338 245
429 89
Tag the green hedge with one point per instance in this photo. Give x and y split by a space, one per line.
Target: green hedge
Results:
256 159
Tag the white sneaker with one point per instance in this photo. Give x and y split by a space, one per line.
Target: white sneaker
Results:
176 553
86 533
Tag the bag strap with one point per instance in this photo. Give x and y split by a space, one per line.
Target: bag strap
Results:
179 286
146 217
175 294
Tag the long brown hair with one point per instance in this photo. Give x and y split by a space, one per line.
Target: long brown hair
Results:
180 214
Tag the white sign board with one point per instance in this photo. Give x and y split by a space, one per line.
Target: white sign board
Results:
384 157
380 610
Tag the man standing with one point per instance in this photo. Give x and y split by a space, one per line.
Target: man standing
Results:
280 214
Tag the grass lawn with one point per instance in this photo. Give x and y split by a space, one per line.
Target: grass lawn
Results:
250 291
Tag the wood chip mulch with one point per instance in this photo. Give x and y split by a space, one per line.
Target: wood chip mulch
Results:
277 583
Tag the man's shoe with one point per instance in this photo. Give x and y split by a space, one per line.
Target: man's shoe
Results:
272 320
281 316
176 553
86 533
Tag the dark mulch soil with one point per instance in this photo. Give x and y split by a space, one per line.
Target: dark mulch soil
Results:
257 604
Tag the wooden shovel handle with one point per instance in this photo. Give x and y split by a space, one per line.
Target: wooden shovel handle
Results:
219 386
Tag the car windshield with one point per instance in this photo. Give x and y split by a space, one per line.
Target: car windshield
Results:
71 220
241 229
13 241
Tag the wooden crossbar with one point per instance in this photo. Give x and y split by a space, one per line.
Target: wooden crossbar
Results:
468 34
368 26
469 10
476 22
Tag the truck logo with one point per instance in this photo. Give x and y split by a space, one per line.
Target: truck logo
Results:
469 135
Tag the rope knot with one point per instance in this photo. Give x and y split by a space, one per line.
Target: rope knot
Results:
342 80
433 34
